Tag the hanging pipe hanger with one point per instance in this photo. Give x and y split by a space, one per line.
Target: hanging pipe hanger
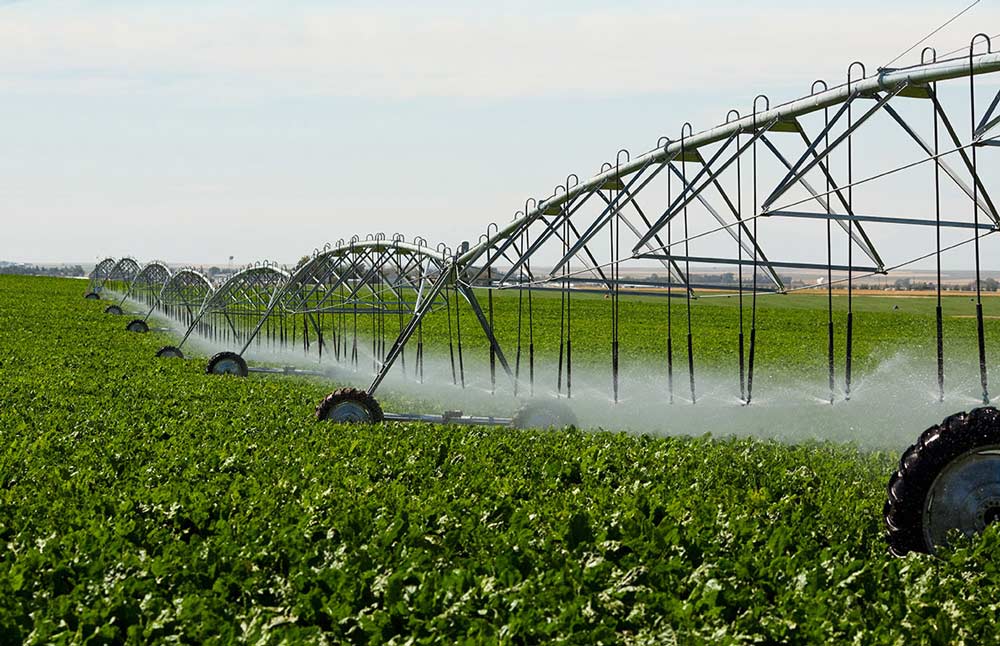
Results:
752 354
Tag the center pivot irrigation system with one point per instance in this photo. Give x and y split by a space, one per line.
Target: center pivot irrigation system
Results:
813 184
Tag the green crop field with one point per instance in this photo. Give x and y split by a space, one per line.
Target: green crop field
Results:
144 501
791 329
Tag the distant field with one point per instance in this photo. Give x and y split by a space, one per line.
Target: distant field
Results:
144 501
791 330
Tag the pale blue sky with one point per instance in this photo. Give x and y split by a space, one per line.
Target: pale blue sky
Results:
191 131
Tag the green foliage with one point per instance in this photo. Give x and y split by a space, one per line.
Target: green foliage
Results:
143 501
791 330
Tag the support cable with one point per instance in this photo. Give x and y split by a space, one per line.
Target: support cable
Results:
849 342
687 273
611 295
670 298
569 304
374 321
935 31
520 314
458 330
830 358
939 323
420 351
739 254
753 297
489 306
562 309
451 337
354 349
531 316
980 328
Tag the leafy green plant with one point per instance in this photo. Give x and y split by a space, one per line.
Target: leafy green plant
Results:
143 501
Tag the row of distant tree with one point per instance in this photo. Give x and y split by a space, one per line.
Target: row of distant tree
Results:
906 284
21 269
901 284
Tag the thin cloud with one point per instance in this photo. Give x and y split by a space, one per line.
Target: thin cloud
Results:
402 54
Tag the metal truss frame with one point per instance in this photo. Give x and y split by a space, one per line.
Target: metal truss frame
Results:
721 182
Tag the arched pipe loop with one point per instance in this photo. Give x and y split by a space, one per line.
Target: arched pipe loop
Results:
819 85
756 110
983 37
923 55
732 115
850 73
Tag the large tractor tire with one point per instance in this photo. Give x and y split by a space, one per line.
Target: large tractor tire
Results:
349 406
949 480
170 352
138 325
544 414
92 296
228 363
113 309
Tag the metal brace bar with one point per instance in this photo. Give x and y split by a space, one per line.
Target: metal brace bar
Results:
567 210
952 173
750 262
965 158
404 336
669 265
746 230
470 297
811 147
986 123
667 215
954 224
858 233
773 275
607 213
679 201
818 157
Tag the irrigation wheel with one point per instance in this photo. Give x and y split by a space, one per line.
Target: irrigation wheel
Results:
544 414
170 352
92 296
949 480
113 309
227 363
138 325
349 406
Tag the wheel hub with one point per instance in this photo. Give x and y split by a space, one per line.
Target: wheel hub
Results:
349 411
227 367
965 496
